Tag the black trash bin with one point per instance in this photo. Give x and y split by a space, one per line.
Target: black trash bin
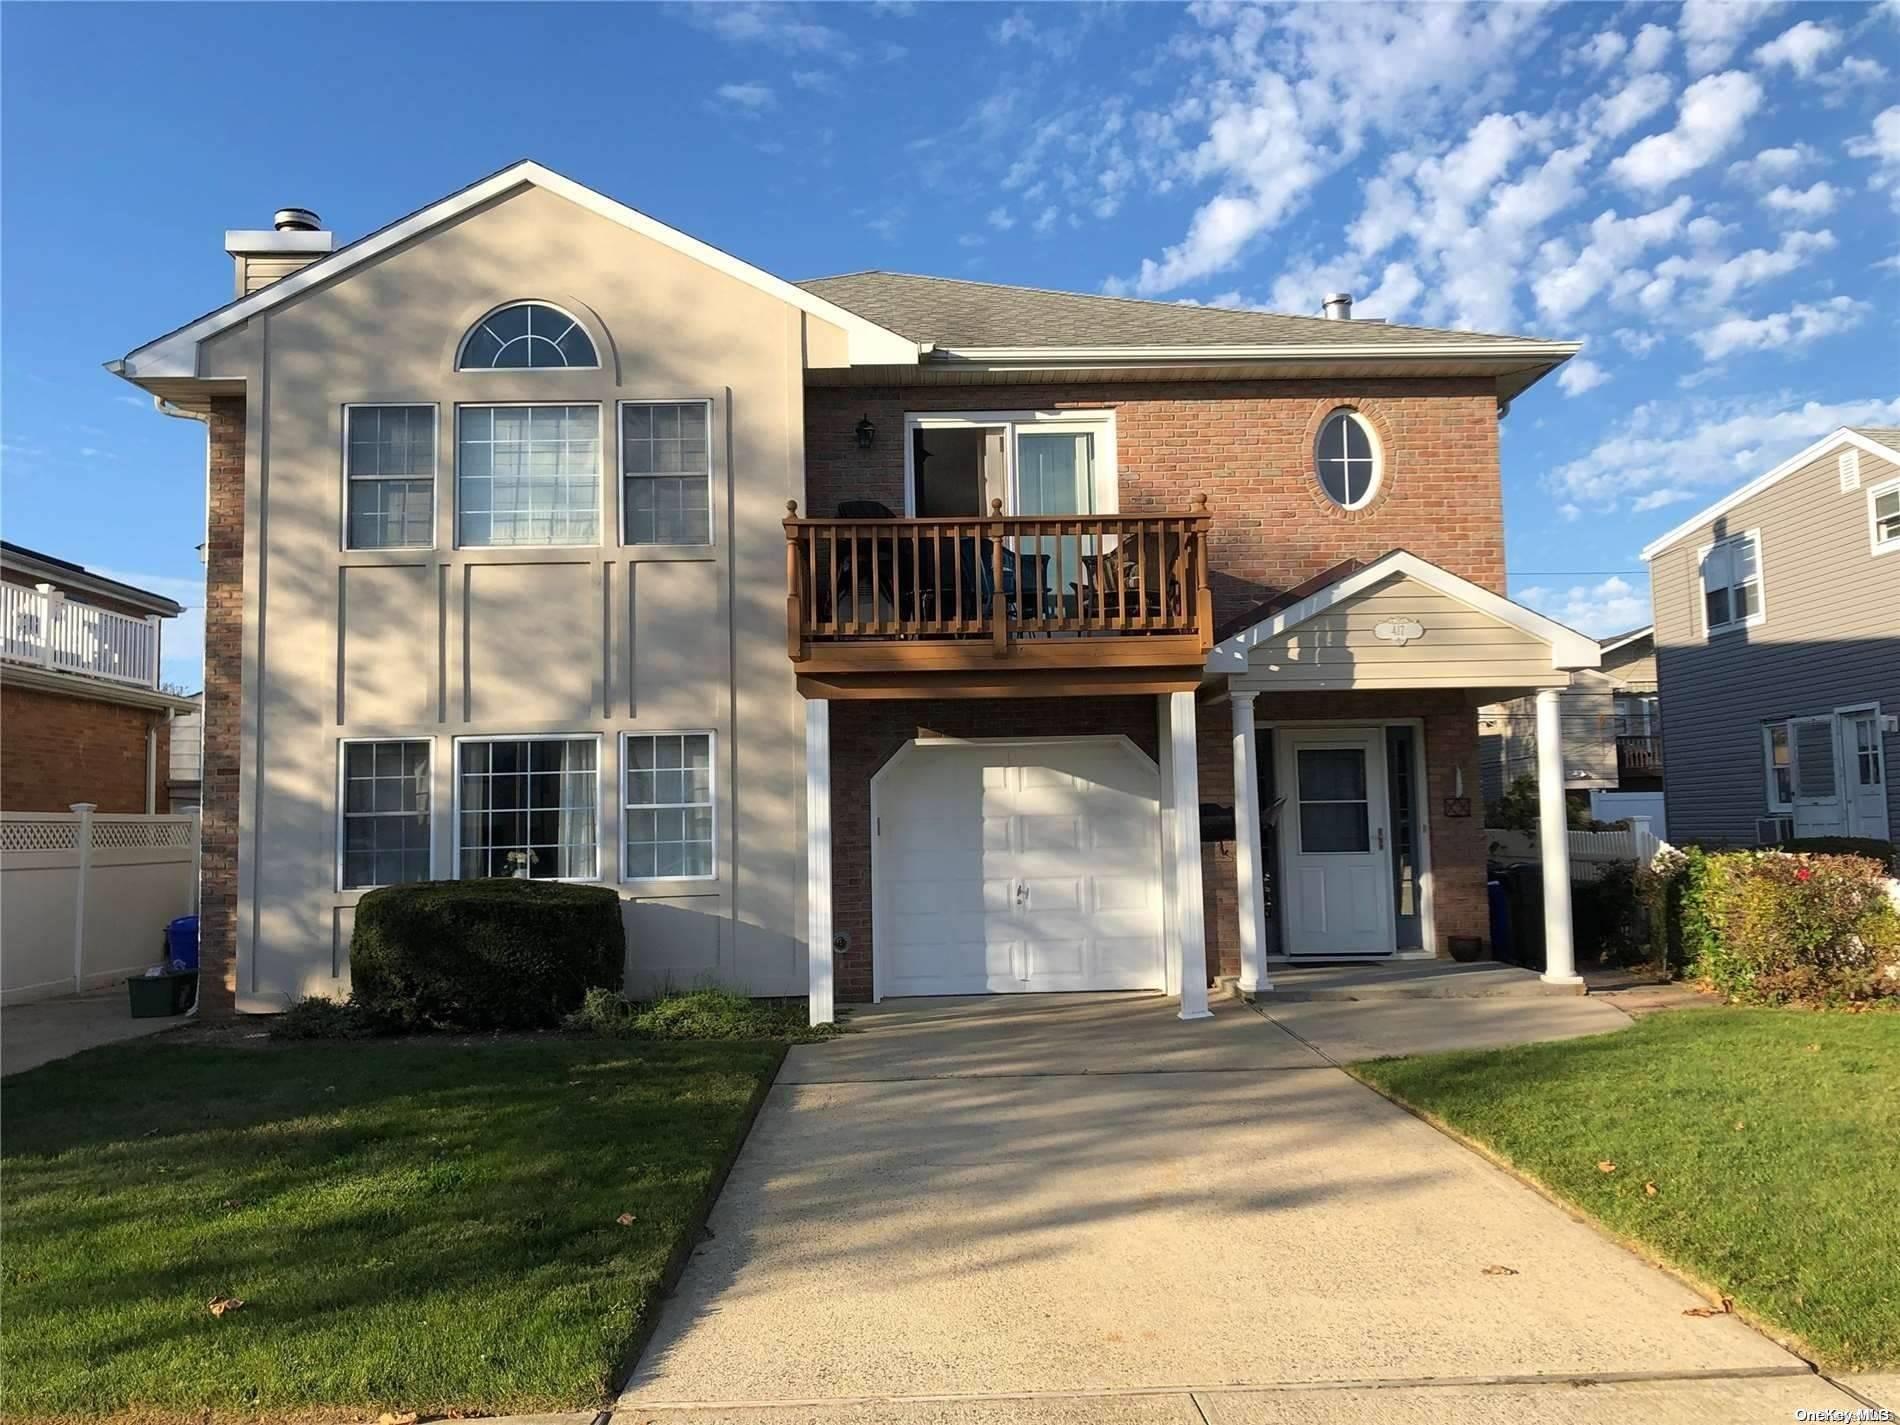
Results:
1524 896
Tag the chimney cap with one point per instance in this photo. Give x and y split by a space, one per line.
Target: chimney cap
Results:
1338 306
296 220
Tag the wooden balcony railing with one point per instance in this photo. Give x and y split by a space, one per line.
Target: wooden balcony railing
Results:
41 626
1005 581
1639 755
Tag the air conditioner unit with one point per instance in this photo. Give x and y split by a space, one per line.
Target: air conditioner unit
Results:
1773 830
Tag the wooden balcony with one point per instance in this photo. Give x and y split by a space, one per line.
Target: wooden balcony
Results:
1638 758
998 606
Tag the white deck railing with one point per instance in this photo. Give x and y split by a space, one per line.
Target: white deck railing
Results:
41 626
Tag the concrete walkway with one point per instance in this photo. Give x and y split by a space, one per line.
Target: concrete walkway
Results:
49 1029
1080 1208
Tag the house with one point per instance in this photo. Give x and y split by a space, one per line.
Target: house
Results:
1612 733
1778 649
85 716
874 635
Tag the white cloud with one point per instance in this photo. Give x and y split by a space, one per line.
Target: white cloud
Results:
1709 119
1651 48
1569 280
1602 50
815 81
1016 26
1881 143
1801 48
1595 609
1852 72
1656 499
1637 343
749 98
1675 442
1580 374
781 26
1771 164
1399 287
1811 202
1046 219
1801 325
1721 278
1633 103
1000 219
1712 30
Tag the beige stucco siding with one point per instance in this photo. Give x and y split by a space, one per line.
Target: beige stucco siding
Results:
1456 646
1830 639
598 640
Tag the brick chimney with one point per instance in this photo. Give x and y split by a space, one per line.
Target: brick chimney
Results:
295 240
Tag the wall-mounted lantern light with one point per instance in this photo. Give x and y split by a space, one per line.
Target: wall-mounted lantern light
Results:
867 434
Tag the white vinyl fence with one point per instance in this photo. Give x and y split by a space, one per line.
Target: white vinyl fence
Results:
85 897
1590 851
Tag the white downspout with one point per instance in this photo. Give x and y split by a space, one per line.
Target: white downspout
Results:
151 766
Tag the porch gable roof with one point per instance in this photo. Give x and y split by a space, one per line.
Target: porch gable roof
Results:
1569 650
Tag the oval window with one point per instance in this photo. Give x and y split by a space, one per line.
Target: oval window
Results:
1348 460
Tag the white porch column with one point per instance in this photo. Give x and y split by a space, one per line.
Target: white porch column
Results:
1553 843
1188 945
1247 858
818 858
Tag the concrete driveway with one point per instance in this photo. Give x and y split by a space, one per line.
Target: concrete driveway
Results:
1079 1207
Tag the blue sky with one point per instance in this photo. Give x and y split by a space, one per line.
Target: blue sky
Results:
1708 195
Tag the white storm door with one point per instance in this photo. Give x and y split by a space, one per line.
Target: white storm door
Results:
1865 767
1018 868
1817 782
1338 874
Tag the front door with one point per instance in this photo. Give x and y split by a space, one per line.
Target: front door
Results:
1865 766
1337 875
1817 781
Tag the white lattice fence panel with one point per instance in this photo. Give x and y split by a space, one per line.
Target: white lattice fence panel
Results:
140 833
56 832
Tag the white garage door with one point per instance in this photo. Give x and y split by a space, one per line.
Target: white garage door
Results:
1027 867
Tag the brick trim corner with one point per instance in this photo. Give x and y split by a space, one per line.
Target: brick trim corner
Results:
223 708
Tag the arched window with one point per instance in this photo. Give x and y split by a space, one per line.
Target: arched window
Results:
526 336
1347 460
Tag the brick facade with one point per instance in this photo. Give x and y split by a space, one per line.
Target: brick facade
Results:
223 709
1248 446
61 748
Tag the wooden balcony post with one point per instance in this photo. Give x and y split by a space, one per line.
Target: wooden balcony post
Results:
1204 594
999 605
794 587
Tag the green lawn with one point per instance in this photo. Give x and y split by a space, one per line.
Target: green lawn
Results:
1772 1138
410 1226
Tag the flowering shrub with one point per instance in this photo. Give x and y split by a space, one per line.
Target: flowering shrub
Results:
1769 927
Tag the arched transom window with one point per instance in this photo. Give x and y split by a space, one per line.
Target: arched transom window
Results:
1348 460
526 336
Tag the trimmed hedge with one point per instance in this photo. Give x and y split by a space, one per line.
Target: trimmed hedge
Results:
1885 852
1776 927
493 954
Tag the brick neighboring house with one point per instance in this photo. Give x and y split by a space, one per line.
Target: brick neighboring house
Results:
82 717
875 635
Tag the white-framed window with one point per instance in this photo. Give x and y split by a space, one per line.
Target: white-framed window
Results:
1347 459
1036 462
1778 762
389 470
1883 517
527 474
666 471
528 807
527 336
1731 582
384 826
667 812
1637 714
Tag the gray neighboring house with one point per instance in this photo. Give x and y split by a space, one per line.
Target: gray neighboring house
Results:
1778 650
1612 726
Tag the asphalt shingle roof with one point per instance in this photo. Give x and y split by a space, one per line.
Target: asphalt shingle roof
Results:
1885 435
954 313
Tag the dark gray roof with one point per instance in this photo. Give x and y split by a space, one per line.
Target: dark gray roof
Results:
56 570
958 314
1884 435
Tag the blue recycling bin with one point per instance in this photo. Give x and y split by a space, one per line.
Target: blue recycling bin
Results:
181 942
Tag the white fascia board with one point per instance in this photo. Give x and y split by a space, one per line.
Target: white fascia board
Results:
1627 639
1754 487
176 354
1283 351
1568 648
255 241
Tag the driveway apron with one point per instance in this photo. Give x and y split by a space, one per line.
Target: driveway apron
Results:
1072 1194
